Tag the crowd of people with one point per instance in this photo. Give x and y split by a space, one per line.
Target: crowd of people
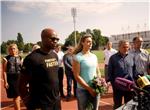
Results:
38 79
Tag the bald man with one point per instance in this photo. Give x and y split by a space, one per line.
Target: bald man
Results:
40 71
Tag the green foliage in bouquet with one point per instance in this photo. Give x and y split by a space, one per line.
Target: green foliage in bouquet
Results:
99 85
89 106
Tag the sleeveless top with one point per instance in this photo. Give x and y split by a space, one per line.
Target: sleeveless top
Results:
13 64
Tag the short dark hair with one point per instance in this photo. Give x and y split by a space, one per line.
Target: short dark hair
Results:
122 42
134 39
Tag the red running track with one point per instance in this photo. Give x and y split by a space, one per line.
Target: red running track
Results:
106 101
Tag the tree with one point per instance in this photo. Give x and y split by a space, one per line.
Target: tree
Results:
105 40
28 47
71 40
98 39
88 31
20 42
39 43
11 42
3 47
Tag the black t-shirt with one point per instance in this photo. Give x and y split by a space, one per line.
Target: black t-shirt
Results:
44 83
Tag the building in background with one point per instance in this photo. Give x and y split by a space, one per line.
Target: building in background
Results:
129 36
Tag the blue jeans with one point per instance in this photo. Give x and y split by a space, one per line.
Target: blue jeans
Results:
83 97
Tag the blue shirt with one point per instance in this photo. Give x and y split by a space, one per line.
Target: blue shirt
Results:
120 66
141 61
88 64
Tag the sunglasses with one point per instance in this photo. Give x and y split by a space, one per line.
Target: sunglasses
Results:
54 39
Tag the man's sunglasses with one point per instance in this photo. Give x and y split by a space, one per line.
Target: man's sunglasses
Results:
54 39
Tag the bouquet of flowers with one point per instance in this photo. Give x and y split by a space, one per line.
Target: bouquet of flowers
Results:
99 85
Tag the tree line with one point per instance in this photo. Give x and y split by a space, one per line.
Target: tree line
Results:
98 41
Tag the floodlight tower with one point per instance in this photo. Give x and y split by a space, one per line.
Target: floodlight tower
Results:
74 14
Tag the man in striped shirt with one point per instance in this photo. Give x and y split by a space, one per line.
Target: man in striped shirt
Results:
141 57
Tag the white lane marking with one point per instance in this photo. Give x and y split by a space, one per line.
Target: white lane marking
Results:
7 106
106 103
11 105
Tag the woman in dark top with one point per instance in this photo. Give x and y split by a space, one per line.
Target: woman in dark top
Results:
11 70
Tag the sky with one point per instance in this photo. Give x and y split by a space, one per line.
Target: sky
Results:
30 17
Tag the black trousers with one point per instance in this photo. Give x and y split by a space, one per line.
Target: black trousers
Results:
61 77
118 95
70 78
55 106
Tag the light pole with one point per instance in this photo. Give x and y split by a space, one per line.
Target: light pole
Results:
74 14
138 27
128 29
145 30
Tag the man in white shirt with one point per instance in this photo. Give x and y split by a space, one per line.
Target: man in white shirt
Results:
60 55
108 52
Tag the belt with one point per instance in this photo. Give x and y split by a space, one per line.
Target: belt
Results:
106 65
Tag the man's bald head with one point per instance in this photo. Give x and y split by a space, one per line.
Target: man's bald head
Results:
49 38
48 32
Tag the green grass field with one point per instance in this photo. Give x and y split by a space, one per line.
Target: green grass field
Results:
100 55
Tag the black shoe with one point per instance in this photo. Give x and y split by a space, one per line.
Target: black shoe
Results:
63 96
75 96
68 98
69 95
